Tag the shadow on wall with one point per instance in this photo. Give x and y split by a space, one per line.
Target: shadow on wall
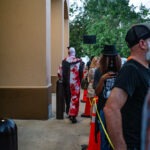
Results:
54 80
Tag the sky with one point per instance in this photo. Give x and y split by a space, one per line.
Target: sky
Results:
134 2
137 3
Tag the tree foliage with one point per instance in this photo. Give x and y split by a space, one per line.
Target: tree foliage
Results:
109 20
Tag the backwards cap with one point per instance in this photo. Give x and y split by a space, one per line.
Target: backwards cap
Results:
136 33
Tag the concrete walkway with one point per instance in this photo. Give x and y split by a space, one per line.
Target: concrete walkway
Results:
53 134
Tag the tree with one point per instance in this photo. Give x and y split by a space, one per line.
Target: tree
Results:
109 20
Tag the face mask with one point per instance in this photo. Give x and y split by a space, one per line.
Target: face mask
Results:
148 51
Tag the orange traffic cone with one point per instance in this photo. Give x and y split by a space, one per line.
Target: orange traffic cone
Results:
93 145
87 110
84 96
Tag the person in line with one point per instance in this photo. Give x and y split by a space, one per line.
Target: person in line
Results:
105 75
93 66
89 62
123 109
71 72
90 91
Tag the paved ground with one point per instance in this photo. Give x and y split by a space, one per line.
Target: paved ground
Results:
53 134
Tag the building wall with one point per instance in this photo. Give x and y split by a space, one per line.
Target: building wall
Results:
60 36
25 59
66 37
33 36
22 41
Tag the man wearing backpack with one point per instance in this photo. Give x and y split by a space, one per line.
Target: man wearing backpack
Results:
71 72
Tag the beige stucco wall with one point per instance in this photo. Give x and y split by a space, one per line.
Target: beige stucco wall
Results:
23 46
66 37
33 36
66 31
57 25
60 34
25 52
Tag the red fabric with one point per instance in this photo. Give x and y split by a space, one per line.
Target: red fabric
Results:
74 88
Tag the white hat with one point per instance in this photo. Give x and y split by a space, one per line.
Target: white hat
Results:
72 51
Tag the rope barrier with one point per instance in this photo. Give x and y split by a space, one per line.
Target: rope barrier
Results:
94 102
91 101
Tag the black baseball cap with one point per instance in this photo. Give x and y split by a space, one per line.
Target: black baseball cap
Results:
136 33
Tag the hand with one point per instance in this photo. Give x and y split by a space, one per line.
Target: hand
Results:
109 75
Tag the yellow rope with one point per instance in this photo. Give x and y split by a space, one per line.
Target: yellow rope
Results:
103 125
91 101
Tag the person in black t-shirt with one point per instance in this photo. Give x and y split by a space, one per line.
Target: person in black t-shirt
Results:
123 109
